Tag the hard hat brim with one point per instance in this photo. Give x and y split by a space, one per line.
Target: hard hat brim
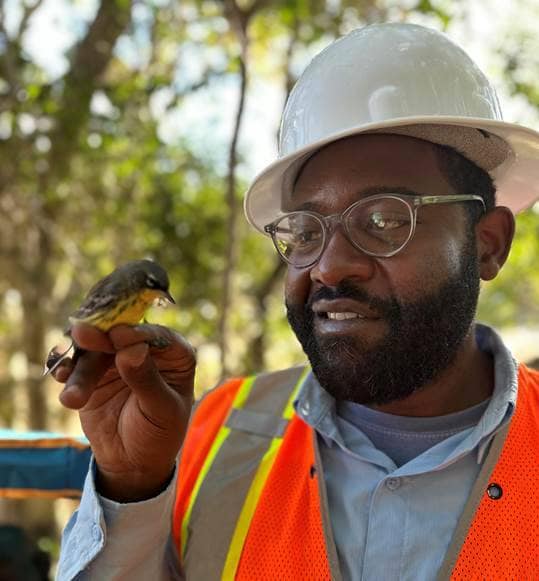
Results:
508 152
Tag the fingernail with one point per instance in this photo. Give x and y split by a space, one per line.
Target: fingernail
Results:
136 354
64 396
62 374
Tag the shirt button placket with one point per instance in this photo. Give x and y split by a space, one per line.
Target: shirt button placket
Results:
388 512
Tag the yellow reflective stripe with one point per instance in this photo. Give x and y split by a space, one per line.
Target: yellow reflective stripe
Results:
248 510
222 435
289 409
243 392
255 490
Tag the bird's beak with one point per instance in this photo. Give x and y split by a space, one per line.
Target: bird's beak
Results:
169 297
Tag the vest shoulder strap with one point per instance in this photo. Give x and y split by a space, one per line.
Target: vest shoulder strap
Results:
230 447
497 537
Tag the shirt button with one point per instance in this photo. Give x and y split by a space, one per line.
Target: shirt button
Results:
393 483
96 533
305 408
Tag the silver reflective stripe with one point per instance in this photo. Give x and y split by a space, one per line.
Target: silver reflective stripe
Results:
222 494
472 504
256 423
271 395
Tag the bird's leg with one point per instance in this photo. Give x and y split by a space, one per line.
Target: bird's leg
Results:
54 358
156 342
159 343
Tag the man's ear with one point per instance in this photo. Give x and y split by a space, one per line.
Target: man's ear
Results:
494 233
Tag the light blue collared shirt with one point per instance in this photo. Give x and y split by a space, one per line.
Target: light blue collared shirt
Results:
394 522
389 522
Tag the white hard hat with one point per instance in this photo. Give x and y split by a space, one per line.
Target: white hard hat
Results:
404 79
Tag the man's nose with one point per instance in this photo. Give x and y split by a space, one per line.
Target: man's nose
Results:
341 260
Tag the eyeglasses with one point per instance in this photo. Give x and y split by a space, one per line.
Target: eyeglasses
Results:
379 225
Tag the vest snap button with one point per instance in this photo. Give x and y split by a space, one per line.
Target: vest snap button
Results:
494 491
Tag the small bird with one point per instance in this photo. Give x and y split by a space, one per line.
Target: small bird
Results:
121 298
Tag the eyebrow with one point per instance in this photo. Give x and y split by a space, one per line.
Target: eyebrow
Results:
372 191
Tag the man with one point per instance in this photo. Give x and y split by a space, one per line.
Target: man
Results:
403 454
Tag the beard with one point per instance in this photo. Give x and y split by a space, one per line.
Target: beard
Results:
422 340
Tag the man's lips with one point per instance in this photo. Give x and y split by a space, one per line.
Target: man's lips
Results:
344 309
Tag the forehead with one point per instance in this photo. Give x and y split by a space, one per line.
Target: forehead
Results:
352 168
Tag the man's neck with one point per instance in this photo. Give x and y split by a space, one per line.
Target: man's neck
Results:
469 380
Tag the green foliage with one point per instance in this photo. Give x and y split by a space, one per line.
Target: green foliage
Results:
437 9
511 299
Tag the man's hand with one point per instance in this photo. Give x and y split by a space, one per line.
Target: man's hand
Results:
133 387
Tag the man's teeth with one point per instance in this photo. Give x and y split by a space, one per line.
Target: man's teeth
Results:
342 316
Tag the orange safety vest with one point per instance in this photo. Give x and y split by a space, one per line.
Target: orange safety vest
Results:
251 501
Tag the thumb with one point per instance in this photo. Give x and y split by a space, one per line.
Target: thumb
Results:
83 378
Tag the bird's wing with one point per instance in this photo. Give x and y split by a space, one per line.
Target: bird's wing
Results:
101 286
93 305
100 298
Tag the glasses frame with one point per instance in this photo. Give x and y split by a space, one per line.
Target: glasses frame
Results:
329 223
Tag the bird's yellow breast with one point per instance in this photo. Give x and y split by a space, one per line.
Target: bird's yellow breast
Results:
128 311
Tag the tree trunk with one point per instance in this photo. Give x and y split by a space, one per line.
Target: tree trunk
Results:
34 327
232 219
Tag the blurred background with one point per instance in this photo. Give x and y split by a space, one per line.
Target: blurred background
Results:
130 128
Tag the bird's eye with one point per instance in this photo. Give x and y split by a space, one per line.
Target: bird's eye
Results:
151 282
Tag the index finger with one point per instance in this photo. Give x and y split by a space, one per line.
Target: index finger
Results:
90 338
163 340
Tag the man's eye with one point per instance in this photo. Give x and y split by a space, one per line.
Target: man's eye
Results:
303 237
379 222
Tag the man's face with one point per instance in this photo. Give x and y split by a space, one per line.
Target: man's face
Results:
406 316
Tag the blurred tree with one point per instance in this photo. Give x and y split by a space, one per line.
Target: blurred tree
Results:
43 123
92 181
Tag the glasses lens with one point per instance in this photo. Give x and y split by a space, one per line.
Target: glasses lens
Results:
299 238
381 226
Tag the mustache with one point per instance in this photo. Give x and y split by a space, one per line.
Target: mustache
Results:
347 290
